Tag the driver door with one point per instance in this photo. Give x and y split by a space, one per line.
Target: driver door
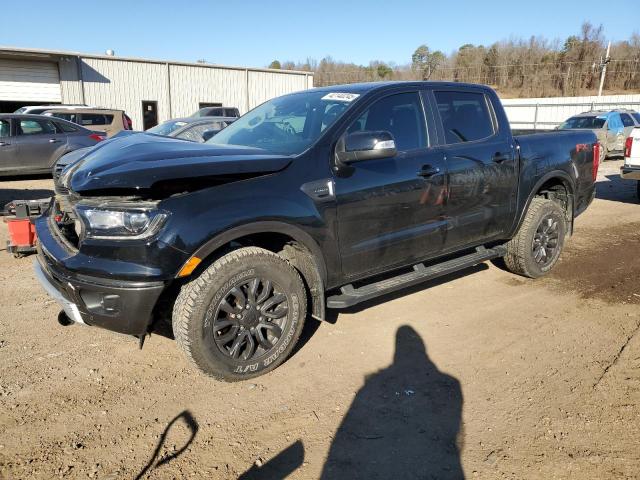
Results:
391 211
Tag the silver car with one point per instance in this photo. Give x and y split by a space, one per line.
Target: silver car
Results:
612 127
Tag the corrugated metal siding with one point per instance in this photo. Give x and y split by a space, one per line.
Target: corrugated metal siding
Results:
124 85
555 110
28 80
191 85
266 85
70 87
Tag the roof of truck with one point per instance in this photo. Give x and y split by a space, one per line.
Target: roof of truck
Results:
369 86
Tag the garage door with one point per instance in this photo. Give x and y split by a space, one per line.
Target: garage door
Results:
27 80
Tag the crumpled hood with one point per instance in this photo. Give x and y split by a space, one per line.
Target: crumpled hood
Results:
138 162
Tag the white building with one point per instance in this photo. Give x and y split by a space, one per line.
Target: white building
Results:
171 89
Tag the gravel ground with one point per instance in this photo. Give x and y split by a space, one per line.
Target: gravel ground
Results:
482 375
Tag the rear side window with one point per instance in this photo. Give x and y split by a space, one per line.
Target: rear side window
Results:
95 119
637 117
65 127
627 121
5 128
195 133
401 115
36 127
465 116
231 112
69 117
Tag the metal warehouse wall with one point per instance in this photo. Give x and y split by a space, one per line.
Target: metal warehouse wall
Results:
547 113
178 88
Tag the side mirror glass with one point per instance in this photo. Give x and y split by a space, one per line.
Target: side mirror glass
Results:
358 146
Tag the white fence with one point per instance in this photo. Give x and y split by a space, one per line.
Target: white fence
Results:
547 113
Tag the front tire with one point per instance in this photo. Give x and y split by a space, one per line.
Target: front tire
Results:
242 316
535 249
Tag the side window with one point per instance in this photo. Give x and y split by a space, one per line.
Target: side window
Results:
465 116
195 133
5 128
65 127
627 121
95 119
401 115
70 117
36 127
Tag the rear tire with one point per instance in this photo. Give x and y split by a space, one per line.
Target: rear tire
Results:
242 316
535 249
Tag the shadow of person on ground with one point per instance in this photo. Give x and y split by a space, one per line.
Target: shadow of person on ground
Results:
404 422
191 424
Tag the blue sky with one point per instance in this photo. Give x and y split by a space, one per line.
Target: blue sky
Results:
253 33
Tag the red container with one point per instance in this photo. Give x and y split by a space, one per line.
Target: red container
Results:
22 233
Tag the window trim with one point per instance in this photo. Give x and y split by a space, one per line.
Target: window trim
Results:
492 116
356 114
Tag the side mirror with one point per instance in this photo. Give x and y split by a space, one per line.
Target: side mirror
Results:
207 134
357 146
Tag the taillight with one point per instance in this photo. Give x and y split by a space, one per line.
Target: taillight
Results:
627 147
127 122
97 138
596 160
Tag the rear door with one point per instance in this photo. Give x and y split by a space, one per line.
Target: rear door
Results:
391 210
8 147
39 142
482 175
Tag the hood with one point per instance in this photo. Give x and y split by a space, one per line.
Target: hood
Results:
135 163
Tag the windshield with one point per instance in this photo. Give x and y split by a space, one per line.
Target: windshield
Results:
166 128
584 122
286 125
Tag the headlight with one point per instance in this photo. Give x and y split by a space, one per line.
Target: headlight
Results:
120 222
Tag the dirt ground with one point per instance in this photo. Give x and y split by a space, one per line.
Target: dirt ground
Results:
480 375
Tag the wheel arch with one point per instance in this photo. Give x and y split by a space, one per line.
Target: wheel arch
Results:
290 241
550 183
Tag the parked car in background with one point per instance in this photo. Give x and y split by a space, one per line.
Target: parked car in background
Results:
97 119
611 127
195 129
631 168
217 112
39 109
33 143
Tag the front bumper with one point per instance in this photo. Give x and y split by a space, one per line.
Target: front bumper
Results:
120 306
113 302
630 172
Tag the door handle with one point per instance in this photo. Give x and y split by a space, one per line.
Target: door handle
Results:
428 171
53 140
500 157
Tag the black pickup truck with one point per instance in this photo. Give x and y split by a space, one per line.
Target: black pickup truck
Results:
314 200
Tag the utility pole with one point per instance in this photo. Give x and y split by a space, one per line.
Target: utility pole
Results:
603 67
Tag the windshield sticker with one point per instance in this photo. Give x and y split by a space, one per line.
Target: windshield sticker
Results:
602 117
341 97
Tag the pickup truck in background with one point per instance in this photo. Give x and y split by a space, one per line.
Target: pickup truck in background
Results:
631 168
319 199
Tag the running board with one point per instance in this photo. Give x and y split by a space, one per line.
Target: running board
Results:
350 296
